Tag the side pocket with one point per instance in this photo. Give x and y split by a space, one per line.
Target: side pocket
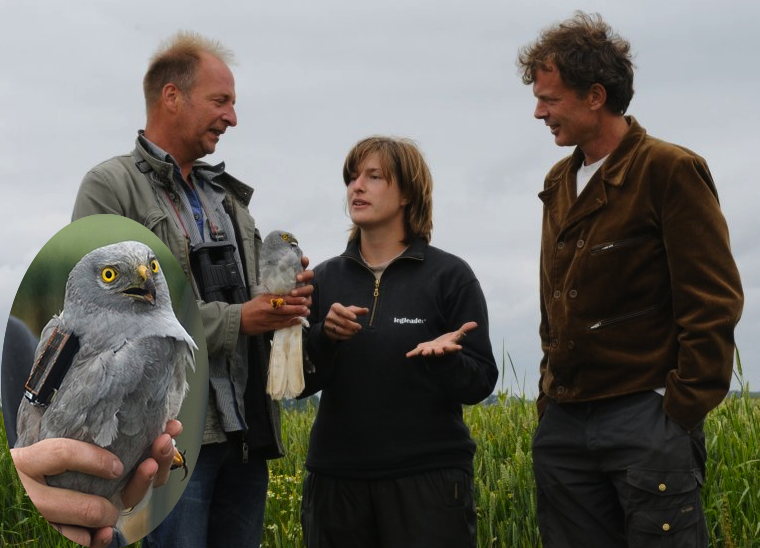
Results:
454 487
666 509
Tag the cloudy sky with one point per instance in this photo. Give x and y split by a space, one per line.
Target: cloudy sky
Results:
313 77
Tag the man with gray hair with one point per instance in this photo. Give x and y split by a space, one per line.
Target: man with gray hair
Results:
201 213
639 296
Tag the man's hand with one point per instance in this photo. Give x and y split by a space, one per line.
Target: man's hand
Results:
260 315
304 280
85 519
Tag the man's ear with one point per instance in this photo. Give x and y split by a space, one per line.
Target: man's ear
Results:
171 97
597 96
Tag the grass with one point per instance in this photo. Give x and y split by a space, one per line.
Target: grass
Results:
504 482
504 477
731 494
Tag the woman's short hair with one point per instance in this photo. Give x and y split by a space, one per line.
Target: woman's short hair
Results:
401 161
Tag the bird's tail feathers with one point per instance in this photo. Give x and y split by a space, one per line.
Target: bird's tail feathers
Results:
286 364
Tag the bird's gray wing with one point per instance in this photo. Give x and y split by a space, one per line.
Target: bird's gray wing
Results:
115 399
29 416
278 274
28 424
94 389
182 357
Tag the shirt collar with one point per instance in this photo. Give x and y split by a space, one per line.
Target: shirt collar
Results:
205 172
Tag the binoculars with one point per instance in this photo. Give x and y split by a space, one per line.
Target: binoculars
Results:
217 274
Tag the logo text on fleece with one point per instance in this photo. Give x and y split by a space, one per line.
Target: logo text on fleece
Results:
408 320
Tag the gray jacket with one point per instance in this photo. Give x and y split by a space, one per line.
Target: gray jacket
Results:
135 186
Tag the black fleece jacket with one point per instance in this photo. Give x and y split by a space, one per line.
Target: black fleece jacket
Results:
382 414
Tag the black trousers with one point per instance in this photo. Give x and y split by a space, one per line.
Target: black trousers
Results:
618 473
434 509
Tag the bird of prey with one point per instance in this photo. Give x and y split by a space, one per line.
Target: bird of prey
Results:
280 262
116 357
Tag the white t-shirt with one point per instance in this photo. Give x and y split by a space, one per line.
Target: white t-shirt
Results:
586 172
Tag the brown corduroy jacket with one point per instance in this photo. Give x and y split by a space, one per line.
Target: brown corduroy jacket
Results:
639 289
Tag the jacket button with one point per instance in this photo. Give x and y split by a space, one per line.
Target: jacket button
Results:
662 487
573 293
666 527
561 245
560 390
557 294
580 243
555 343
570 345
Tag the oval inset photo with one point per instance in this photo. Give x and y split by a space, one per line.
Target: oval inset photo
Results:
104 346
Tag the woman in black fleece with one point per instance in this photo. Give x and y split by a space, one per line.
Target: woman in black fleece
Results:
399 341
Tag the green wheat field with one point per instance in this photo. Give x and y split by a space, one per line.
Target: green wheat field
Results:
504 483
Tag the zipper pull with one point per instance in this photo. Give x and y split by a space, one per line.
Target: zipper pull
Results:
245 452
377 288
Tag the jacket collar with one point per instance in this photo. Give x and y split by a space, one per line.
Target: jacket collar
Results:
559 194
415 250
613 170
146 162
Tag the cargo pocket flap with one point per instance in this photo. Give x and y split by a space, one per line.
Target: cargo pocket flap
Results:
152 217
661 482
665 521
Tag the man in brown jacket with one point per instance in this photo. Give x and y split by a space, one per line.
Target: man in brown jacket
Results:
639 298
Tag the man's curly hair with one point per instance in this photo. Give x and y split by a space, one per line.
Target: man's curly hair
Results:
586 51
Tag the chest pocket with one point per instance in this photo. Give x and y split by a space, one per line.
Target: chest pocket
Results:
618 245
153 218
620 277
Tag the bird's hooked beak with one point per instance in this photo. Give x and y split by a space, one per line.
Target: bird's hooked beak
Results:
144 290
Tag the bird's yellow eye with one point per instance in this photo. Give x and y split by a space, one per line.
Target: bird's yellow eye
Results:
154 266
285 237
109 274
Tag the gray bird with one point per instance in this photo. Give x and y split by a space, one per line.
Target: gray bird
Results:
128 375
280 262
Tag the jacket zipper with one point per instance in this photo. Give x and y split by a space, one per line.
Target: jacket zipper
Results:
611 321
376 292
609 246
375 295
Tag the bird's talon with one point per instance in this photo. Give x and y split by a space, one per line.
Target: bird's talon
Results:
179 461
277 303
